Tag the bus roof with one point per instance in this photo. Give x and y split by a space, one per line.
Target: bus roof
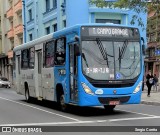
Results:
64 31
33 42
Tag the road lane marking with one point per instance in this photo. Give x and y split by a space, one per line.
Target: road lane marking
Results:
137 113
139 118
40 109
78 122
50 123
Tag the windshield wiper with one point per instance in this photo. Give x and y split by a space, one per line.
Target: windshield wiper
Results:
122 52
102 50
119 58
84 57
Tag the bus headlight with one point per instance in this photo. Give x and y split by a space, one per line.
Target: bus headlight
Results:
87 89
137 89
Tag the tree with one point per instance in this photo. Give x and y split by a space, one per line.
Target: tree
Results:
139 6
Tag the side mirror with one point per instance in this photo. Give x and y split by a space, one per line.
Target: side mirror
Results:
143 46
76 50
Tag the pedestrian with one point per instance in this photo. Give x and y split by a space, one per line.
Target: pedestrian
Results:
155 82
149 82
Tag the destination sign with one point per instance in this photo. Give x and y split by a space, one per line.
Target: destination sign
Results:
110 32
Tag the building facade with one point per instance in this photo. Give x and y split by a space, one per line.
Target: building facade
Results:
152 60
44 17
12 34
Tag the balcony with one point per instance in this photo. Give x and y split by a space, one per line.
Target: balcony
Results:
18 7
19 29
10 33
10 13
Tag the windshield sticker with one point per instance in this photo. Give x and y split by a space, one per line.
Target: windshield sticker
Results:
97 70
118 76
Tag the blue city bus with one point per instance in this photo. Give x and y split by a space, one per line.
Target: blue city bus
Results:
84 65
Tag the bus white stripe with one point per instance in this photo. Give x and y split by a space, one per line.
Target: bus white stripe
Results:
50 123
139 118
137 113
79 122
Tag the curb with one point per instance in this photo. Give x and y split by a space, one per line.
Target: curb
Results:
150 103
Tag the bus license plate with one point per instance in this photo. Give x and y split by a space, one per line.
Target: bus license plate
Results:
114 102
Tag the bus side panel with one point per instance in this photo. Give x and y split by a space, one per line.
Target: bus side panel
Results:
60 80
48 83
27 77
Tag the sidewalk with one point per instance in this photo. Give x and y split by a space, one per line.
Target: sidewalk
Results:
154 98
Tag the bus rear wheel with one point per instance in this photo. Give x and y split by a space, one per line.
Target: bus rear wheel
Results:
109 108
63 105
27 95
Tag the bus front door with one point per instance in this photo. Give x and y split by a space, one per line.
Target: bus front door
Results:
73 73
38 74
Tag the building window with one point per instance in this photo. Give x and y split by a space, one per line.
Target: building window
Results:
47 5
108 21
30 37
30 14
63 7
11 24
152 37
55 27
47 30
12 44
31 57
21 40
64 23
20 18
54 4
49 54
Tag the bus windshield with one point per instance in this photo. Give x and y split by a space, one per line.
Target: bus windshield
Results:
111 60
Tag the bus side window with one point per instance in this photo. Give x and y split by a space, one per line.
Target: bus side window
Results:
60 52
31 57
25 59
49 54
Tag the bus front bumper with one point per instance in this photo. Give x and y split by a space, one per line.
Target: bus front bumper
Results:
99 100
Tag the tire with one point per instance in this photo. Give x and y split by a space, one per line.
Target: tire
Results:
27 95
63 105
109 108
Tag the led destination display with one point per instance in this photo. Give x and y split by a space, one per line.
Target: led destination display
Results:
110 32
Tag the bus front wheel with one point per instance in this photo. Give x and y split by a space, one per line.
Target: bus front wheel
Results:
109 108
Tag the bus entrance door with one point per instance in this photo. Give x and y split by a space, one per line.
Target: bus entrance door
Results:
38 74
73 73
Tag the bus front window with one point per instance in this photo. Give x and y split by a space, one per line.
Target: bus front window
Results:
109 60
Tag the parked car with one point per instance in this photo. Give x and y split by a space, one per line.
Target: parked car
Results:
4 82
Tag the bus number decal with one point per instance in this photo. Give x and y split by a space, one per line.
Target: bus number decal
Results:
97 70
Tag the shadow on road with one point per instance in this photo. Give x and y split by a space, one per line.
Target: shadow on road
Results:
76 110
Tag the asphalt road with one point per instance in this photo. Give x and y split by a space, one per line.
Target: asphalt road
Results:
15 111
